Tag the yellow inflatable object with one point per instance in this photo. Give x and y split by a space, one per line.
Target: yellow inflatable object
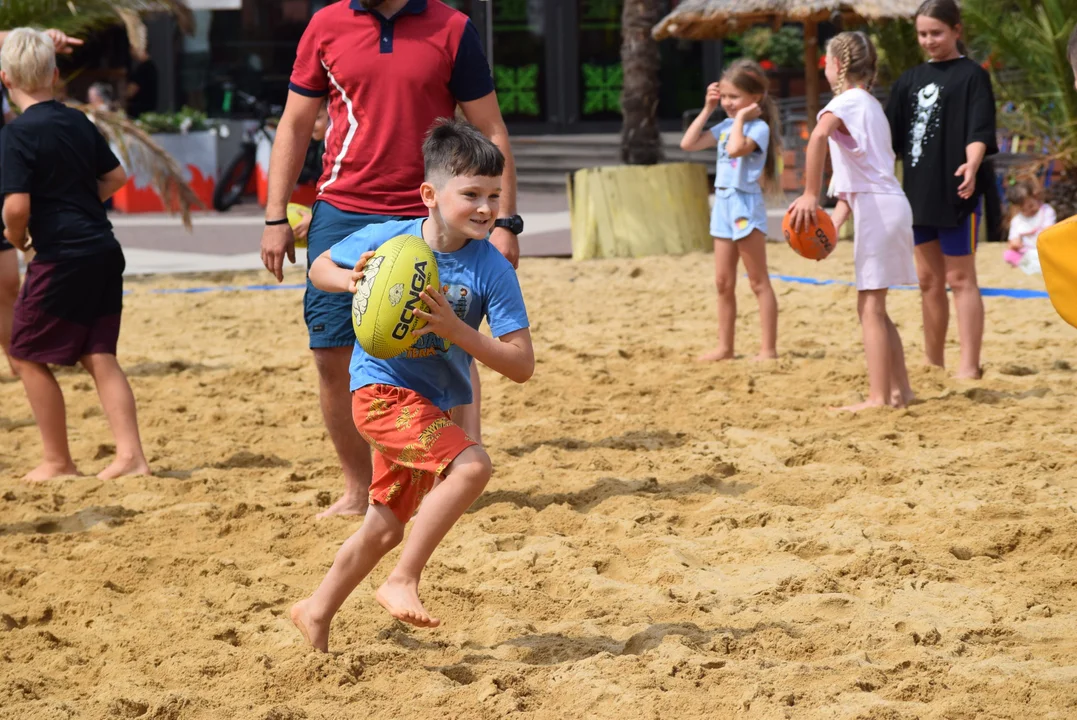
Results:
296 213
383 309
1057 246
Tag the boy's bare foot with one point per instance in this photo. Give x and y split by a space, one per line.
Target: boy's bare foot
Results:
315 632
346 505
401 599
765 355
866 405
122 466
51 471
716 355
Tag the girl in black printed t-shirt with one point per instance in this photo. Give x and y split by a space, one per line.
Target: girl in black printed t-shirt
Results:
942 120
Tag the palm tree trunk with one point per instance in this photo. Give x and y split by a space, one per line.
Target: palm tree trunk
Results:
641 142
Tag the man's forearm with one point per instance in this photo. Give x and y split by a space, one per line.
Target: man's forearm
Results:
285 164
508 177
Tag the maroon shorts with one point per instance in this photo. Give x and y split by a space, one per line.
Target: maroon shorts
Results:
69 308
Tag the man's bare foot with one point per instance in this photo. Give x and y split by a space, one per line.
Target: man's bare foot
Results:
122 466
315 632
346 505
716 355
51 471
866 405
765 355
401 599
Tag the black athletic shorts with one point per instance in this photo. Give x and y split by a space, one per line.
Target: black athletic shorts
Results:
69 308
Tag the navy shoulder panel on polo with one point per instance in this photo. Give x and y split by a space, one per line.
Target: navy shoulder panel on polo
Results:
471 77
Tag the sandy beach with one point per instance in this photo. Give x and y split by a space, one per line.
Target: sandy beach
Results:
661 538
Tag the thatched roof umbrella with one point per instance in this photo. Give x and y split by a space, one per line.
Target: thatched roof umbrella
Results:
714 19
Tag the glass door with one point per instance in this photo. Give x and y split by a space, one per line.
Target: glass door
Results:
520 66
599 72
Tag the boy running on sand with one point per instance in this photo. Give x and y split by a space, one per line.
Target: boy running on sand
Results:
401 406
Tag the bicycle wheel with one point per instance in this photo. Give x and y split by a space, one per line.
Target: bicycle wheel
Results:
234 180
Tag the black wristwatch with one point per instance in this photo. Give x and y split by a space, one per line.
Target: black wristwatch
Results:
514 224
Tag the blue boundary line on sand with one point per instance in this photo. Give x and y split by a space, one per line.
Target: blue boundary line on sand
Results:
224 288
1016 293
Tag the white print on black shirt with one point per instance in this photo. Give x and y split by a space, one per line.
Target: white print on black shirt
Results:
926 121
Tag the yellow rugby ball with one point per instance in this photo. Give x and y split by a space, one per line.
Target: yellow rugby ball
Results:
1057 246
383 309
296 213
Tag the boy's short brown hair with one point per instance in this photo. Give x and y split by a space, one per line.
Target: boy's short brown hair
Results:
455 147
1071 51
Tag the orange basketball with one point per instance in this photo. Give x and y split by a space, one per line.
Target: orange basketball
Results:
817 241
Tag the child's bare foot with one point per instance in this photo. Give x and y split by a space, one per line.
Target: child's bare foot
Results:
346 505
51 471
765 355
315 632
122 466
401 599
716 355
976 374
866 405
902 399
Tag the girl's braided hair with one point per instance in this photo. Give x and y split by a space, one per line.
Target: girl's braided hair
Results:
856 58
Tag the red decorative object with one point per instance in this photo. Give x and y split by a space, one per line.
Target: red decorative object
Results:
766 65
134 199
822 62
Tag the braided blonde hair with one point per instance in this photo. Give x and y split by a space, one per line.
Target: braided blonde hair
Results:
856 58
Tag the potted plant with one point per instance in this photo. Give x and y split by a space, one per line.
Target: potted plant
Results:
188 137
781 54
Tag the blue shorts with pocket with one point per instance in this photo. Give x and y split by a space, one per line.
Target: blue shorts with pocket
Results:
736 214
329 315
954 241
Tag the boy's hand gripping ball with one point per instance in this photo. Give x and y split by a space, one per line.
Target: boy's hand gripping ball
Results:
816 241
385 301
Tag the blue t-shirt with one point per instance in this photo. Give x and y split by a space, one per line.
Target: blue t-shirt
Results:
741 173
476 279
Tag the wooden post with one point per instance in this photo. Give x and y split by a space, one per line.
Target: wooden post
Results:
639 210
811 70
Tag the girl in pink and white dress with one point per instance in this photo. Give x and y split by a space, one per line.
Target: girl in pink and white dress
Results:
855 128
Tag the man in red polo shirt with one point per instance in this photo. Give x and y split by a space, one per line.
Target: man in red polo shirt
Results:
389 68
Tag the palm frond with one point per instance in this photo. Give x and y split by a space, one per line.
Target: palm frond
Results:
76 17
138 150
1028 38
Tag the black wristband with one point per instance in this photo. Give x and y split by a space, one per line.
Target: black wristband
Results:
277 222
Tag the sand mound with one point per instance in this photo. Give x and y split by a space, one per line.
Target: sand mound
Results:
660 539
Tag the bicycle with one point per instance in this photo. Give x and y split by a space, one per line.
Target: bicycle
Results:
238 172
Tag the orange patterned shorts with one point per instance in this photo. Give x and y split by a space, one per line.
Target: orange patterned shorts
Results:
413 442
